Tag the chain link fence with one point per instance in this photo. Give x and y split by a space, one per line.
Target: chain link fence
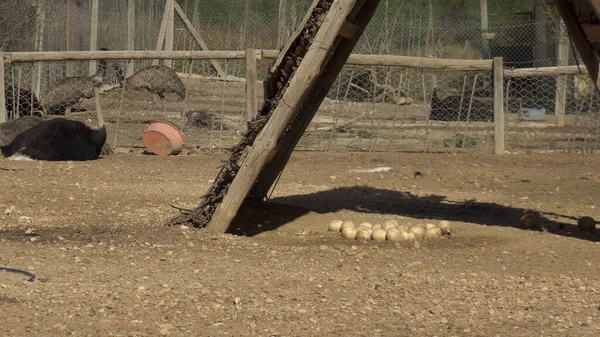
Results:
367 109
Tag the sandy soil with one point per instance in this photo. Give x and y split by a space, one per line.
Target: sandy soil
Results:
94 235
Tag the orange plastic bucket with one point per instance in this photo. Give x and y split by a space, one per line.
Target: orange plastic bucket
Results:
163 139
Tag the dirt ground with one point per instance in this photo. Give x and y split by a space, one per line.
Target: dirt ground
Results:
94 235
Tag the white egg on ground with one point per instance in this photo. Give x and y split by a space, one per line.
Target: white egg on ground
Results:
363 234
418 231
387 225
376 226
349 233
433 232
367 225
408 235
348 224
392 234
378 234
335 225
444 225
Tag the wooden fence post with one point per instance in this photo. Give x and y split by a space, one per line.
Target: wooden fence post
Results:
499 128
93 36
130 34
2 96
170 30
251 78
281 25
40 17
69 34
562 59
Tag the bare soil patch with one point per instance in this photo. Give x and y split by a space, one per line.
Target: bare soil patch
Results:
107 266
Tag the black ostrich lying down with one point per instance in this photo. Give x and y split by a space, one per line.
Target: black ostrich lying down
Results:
12 128
57 140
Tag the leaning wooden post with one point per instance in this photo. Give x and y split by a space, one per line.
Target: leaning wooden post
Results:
130 34
2 96
93 35
499 105
268 141
351 30
251 79
562 59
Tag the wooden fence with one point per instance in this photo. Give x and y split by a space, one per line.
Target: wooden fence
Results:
252 55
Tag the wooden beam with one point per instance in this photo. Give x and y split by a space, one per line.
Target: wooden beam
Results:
93 35
251 79
3 116
579 39
562 59
545 71
360 17
163 29
403 61
269 139
499 129
130 34
199 39
124 55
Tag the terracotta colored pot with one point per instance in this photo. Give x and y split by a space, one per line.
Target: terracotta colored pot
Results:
163 139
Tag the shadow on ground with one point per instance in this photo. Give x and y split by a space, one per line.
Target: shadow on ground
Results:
283 210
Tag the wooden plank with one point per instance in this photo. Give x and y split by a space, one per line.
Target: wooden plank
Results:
251 79
404 61
93 36
362 16
268 139
562 59
130 34
199 39
281 24
3 116
545 71
170 30
579 39
499 129
125 55
163 29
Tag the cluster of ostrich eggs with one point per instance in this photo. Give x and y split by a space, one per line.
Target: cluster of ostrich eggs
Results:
390 230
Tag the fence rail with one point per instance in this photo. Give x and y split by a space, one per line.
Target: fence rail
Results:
398 85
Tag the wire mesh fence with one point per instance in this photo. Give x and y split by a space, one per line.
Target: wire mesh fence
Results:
367 109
